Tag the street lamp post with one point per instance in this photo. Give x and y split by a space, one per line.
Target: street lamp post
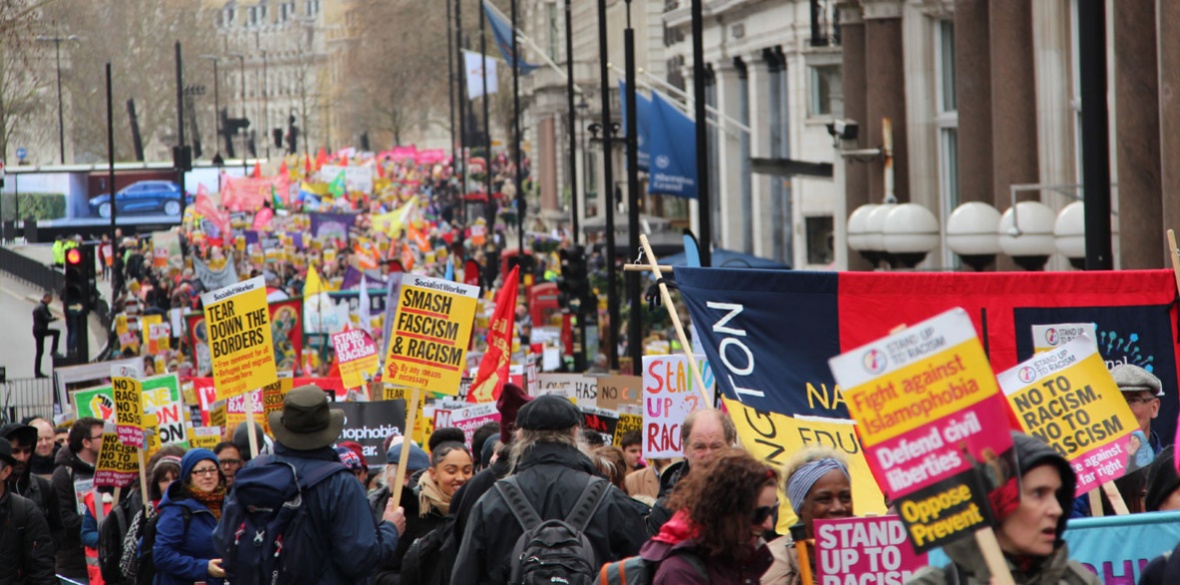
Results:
61 128
216 102
265 105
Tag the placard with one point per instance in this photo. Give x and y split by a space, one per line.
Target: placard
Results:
600 420
582 389
423 421
127 393
669 396
1049 337
117 464
273 395
1067 398
617 390
369 423
237 323
357 354
852 551
472 417
205 437
627 422
162 402
431 332
926 405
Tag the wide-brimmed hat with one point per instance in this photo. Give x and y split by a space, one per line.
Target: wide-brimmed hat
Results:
306 422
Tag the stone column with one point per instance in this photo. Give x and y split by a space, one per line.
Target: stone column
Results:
762 218
1137 138
973 98
856 175
885 93
729 151
1168 16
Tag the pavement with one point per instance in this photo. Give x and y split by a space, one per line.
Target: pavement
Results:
17 301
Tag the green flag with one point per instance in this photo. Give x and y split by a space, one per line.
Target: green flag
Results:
336 187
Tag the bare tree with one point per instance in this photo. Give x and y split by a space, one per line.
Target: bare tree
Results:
137 37
22 77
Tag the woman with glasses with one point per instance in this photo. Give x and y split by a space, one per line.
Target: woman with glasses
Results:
818 487
715 534
189 512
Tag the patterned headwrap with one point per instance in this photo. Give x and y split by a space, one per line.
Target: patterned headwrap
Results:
801 481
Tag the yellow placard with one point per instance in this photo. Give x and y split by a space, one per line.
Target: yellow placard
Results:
422 427
774 437
627 422
431 331
273 395
204 437
1067 398
240 344
218 414
145 326
117 463
357 355
127 392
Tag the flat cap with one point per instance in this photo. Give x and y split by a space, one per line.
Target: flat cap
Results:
548 413
1132 378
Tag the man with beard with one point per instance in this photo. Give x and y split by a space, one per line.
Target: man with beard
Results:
24 483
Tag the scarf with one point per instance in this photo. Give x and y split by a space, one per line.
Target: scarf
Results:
211 500
430 496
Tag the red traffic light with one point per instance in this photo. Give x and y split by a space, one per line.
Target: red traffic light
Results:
73 256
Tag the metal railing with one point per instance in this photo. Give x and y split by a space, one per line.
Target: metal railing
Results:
30 271
26 397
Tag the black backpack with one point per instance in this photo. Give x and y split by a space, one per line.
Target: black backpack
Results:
146 575
638 571
430 558
265 517
553 551
111 534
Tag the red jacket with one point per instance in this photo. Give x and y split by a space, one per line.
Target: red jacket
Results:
677 537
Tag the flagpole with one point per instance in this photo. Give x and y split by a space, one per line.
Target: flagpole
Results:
460 163
571 128
635 331
487 121
521 206
450 80
608 187
704 207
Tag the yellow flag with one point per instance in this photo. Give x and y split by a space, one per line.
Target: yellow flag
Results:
314 285
774 437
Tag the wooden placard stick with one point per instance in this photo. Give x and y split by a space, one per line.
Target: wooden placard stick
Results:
992 554
667 298
1095 503
407 434
1116 499
1175 256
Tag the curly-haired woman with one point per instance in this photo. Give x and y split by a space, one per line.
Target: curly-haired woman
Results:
818 486
715 535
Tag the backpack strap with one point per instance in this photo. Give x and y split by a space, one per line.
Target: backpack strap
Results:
320 472
696 561
588 503
525 513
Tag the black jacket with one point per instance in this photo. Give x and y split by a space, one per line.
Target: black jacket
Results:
469 493
26 549
42 318
71 562
552 476
417 526
40 491
660 513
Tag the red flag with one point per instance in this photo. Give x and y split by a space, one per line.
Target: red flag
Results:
380 170
283 172
306 166
257 174
203 205
493 369
321 157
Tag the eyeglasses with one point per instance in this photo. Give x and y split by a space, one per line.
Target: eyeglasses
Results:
96 438
761 513
206 471
1137 400
230 462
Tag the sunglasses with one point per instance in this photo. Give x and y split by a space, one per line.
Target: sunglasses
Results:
761 513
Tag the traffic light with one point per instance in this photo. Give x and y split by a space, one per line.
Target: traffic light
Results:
80 294
573 284
292 135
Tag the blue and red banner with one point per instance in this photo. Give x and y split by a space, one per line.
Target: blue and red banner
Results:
769 334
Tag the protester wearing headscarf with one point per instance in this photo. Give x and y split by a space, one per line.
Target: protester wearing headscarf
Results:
1031 535
818 486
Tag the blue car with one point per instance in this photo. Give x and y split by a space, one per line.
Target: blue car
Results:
141 197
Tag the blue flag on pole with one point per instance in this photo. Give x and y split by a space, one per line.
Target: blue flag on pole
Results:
644 122
502 31
672 150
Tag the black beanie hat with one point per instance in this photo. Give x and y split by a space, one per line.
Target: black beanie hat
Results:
1031 453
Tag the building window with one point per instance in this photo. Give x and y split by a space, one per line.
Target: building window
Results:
826 89
230 13
252 16
554 30
947 119
262 13
820 239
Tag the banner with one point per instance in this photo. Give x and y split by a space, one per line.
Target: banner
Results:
672 151
118 464
643 106
215 276
851 551
286 326
357 354
242 350
774 437
249 193
128 396
356 178
921 398
369 423
616 390
431 332
744 313
1067 398
475 74
669 396
331 225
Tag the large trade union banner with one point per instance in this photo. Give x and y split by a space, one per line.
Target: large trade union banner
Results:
769 334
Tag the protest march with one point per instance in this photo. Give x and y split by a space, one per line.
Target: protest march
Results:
330 375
